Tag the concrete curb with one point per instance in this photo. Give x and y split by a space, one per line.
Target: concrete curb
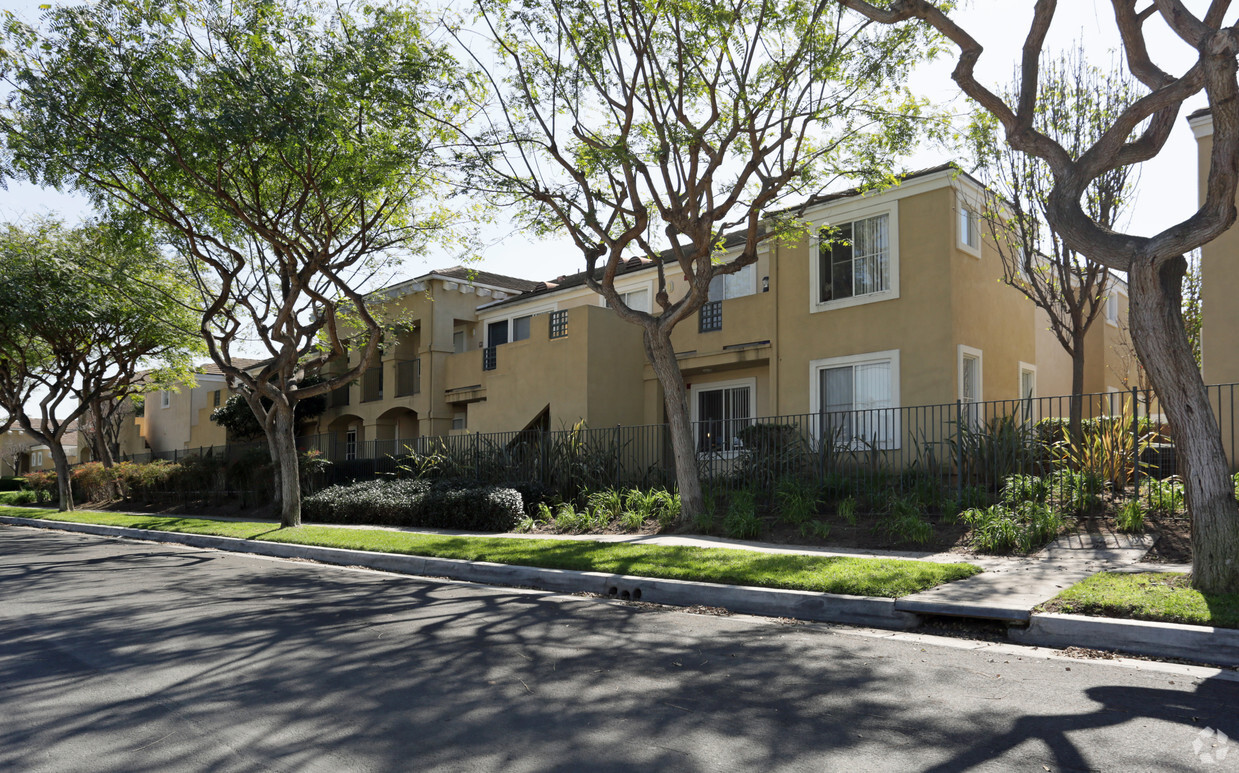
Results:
770 602
1219 646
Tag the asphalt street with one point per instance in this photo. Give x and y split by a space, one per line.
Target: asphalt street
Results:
127 656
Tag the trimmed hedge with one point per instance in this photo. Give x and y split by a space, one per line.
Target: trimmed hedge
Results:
416 503
12 484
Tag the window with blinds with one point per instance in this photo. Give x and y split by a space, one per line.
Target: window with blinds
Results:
857 406
854 259
721 414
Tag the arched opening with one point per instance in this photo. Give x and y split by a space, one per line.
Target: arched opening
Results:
347 435
395 432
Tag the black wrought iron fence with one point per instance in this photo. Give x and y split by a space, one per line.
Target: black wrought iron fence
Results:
967 451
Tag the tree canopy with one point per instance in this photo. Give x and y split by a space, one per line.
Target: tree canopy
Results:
90 313
669 128
290 149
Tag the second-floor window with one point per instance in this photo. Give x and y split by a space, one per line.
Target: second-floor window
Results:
725 286
165 399
854 259
969 227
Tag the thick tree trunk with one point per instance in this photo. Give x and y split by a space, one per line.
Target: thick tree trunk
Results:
288 481
1161 340
1075 419
688 479
64 482
99 445
98 440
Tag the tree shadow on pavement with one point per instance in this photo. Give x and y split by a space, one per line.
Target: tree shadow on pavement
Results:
135 658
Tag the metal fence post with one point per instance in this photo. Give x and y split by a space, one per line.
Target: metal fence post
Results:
959 450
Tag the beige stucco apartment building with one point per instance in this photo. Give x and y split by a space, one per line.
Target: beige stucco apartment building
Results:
912 312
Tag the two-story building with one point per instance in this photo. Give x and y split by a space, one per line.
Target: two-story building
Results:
894 298
902 303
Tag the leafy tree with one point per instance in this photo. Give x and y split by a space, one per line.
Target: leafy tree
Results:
1154 264
677 126
83 313
1078 102
236 417
288 149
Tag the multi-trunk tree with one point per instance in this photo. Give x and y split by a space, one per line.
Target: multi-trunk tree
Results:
671 130
87 315
1078 103
288 150
1154 264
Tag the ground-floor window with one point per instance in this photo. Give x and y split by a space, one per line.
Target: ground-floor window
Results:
720 411
856 400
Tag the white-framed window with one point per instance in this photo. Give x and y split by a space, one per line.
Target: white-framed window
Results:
855 400
855 257
1112 308
521 327
637 300
36 459
969 227
970 382
165 398
1028 392
739 284
719 411
516 328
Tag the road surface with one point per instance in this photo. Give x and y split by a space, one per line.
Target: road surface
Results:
127 656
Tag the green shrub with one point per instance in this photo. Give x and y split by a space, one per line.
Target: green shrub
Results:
995 449
14 483
771 452
847 510
816 529
741 521
415 503
567 520
926 488
42 483
607 504
905 521
668 509
1074 492
1017 489
631 521
950 511
1166 495
795 501
703 522
1020 529
1130 518
974 496
14 498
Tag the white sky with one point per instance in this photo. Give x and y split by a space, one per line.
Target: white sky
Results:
1167 190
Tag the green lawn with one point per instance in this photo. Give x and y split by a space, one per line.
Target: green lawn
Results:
1162 596
857 576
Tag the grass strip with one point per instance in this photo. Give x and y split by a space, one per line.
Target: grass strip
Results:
889 578
1165 597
